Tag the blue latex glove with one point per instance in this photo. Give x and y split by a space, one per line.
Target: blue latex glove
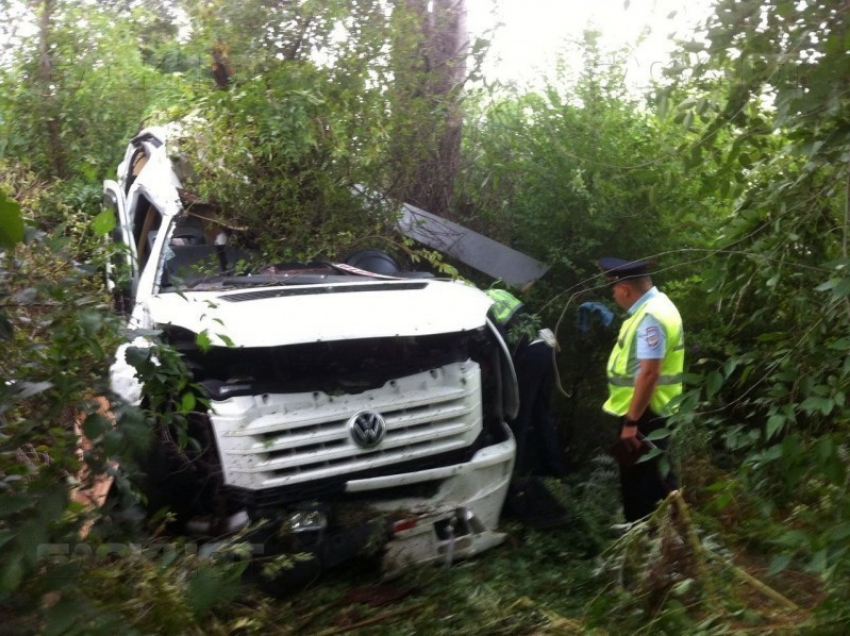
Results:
589 311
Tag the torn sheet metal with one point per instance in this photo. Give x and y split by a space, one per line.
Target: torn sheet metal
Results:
471 248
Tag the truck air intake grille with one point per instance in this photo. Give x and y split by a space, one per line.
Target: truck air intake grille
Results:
314 290
275 440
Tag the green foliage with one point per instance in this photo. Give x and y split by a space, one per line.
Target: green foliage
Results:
742 173
66 113
772 98
526 325
582 162
53 363
289 148
67 566
573 172
11 224
306 121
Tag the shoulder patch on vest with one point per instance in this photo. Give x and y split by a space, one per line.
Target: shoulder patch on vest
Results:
653 337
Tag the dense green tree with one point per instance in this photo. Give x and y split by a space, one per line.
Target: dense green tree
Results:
75 89
325 97
772 78
576 171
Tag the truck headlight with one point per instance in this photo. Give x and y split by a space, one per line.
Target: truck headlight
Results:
307 521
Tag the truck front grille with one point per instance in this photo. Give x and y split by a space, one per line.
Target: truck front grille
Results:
275 440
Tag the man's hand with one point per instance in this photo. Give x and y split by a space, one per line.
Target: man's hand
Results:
645 383
629 431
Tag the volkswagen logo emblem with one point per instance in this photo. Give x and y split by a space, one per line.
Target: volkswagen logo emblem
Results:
367 429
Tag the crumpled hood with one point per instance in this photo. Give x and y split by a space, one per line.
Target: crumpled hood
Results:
285 315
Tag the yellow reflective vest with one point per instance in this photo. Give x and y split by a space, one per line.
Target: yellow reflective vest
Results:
505 305
621 383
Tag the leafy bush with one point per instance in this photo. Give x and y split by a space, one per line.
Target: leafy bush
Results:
66 565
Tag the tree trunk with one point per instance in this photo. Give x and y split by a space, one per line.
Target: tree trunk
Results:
48 98
435 77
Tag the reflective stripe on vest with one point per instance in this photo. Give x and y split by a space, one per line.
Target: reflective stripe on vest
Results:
621 385
505 305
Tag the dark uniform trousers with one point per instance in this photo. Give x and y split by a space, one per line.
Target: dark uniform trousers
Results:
642 485
538 447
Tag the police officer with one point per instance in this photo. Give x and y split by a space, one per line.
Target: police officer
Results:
538 447
644 376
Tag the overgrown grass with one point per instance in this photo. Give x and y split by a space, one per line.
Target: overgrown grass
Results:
668 576
532 583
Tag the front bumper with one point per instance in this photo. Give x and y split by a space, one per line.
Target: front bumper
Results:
460 521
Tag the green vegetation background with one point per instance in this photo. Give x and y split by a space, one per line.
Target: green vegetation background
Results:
732 172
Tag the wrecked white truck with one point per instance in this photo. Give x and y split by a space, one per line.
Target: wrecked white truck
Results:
346 408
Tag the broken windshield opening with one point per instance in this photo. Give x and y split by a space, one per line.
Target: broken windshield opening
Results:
202 254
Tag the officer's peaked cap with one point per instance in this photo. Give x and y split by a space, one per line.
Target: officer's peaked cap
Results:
617 269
